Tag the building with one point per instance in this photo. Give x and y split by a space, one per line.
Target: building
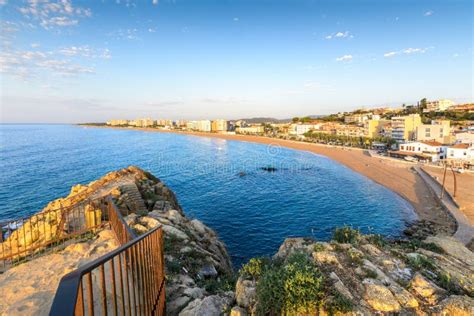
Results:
404 127
461 151
201 126
145 122
426 150
219 126
357 118
468 107
375 127
301 129
438 106
254 129
350 131
118 122
439 131
165 123
464 138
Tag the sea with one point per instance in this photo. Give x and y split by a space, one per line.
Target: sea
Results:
253 195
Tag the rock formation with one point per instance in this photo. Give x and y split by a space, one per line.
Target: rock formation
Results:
360 275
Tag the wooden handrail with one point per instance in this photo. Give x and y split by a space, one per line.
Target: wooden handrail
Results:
141 260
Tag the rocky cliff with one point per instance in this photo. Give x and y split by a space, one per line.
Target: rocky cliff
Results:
353 274
359 275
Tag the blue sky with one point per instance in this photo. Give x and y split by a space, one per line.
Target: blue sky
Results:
78 61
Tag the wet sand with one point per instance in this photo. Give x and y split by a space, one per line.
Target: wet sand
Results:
396 176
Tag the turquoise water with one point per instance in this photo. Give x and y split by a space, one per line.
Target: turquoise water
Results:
309 195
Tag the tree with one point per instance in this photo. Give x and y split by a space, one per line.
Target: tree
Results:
295 119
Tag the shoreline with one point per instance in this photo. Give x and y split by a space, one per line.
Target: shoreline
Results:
397 177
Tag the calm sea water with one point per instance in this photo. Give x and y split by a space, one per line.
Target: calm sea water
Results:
309 195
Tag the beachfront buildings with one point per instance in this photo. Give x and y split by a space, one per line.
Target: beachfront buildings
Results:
117 122
439 131
374 128
219 126
426 150
250 130
301 129
404 127
200 126
464 138
144 122
438 105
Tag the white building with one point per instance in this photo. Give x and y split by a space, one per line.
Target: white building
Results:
438 106
427 150
465 138
301 129
461 151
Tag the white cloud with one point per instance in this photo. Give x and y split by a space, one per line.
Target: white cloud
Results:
152 30
345 58
155 2
236 19
390 54
428 13
85 51
345 34
35 45
54 13
407 51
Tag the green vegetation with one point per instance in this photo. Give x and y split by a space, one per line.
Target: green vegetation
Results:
305 119
254 268
420 262
218 285
318 247
361 142
286 287
346 234
377 240
370 273
338 303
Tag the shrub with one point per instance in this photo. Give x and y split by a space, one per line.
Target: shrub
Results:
355 257
346 234
338 304
318 247
254 268
421 262
296 286
377 240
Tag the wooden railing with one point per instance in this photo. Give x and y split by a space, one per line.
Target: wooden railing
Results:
24 238
133 284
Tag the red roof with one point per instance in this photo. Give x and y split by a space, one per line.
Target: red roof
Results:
431 143
461 146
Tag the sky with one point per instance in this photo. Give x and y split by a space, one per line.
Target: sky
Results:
91 61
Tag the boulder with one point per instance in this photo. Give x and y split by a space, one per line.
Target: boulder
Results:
379 297
245 292
208 271
213 305
292 245
238 311
325 257
171 230
456 305
426 289
453 247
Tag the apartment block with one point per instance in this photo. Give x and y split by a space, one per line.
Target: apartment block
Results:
404 127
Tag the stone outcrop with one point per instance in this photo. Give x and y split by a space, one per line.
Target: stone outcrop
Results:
369 276
198 269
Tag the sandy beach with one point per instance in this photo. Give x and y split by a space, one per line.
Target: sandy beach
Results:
396 176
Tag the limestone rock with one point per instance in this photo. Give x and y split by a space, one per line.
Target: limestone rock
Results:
325 257
213 305
245 292
292 245
453 247
238 311
456 305
379 297
426 289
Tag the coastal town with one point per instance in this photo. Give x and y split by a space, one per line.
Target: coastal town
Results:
437 132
